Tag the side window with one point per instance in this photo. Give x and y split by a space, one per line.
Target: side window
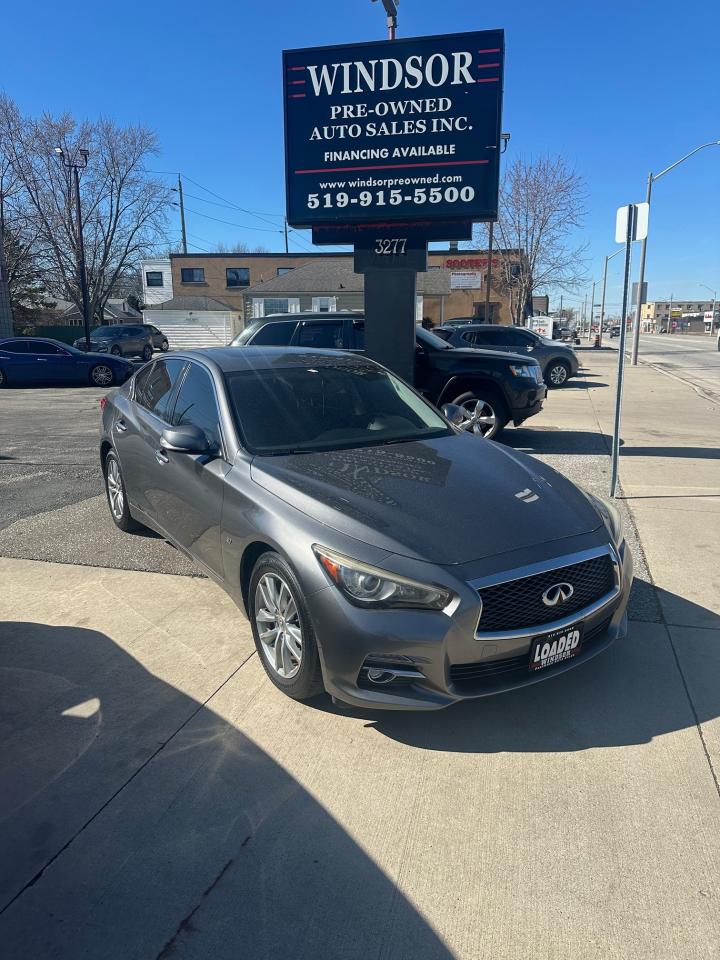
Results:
15 346
196 405
274 335
37 346
514 338
322 335
154 386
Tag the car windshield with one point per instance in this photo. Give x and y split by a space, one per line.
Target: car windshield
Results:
428 339
323 403
101 332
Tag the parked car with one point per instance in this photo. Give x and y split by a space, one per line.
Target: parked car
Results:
120 339
25 361
558 361
329 500
157 337
615 330
491 389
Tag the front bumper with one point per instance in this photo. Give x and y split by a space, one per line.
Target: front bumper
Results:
427 660
528 401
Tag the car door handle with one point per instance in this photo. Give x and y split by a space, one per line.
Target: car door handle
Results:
121 426
161 456
41 359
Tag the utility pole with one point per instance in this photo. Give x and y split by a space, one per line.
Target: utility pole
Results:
6 325
670 317
75 167
615 450
286 234
584 311
592 312
182 215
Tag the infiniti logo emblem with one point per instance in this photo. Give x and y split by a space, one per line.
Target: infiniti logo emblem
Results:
557 593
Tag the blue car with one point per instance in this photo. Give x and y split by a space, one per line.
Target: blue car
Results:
26 361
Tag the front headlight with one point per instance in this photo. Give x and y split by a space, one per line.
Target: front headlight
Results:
368 586
609 513
523 370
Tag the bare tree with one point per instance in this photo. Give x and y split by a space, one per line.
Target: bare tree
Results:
239 247
541 207
123 207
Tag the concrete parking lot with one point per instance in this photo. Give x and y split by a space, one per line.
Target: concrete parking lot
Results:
165 800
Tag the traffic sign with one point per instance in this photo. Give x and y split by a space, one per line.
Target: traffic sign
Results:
640 213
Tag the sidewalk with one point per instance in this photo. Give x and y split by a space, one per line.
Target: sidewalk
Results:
167 801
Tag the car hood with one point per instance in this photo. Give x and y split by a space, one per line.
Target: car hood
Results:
451 500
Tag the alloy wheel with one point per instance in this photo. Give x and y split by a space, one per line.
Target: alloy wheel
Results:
480 416
115 488
278 626
558 374
102 375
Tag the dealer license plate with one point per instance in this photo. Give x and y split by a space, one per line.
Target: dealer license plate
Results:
553 648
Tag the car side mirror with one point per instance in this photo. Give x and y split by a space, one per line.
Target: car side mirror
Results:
530 348
455 414
187 439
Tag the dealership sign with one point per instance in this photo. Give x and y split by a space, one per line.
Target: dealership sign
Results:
401 132
465 280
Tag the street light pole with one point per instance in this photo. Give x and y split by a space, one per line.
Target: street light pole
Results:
713 292
75 166
638 306
608 258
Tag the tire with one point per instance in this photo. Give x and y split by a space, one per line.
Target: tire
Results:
116 495
116 351
486 412
164 346
147 352
102 375
557 374
3 379
294 668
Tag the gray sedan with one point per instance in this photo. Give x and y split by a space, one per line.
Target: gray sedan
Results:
330 501
559 361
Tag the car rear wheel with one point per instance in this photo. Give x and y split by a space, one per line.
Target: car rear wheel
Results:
485 413
101 375
282 630
557 374
164 346
147 352
116 496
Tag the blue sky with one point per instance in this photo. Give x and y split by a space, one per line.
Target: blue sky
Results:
618 88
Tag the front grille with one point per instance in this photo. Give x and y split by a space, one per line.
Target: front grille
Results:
512 668
518 604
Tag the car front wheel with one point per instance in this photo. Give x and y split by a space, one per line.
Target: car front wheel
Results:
101 375
485 414
164 346
557 374
116 351
147 352
282 630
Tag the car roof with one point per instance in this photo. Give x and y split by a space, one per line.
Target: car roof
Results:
309 315
234 359
58 343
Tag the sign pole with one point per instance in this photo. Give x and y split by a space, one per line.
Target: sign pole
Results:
615 453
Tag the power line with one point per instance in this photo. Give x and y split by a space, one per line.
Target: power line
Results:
230 223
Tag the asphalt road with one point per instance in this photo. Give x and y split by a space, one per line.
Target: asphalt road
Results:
694 359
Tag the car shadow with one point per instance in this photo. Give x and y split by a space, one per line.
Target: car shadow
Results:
556 440
582 384
661 678
137 822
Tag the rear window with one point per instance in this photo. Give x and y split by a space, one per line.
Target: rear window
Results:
272 335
